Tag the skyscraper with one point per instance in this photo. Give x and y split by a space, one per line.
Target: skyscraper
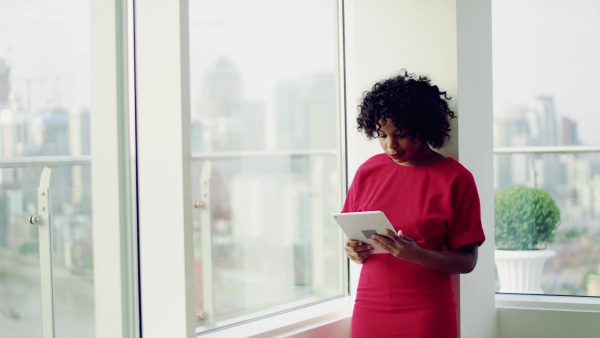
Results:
568 132
4 83
219 107
543 121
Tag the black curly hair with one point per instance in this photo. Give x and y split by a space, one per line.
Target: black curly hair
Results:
412 103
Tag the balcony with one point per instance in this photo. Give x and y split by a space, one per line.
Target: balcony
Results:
50 268
571 174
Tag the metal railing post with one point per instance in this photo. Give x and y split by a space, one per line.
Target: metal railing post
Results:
43 220
206 233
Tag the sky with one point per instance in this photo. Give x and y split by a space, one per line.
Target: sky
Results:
549 47
260 44
46 45
540 47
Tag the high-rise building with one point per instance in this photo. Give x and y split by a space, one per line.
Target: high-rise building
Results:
80 144
219 108
300 106
13 141
543 121
5 142
513 130
221 89
4 83
568 132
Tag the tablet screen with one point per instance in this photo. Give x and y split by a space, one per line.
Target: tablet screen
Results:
361 225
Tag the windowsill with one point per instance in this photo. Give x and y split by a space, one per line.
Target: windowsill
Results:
311 317
548 302
292 322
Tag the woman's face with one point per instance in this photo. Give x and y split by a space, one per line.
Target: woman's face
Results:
400 147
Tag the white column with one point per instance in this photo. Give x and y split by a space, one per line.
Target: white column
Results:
164 189
114 268
475 148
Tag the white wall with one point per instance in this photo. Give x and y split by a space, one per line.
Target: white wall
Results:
547 323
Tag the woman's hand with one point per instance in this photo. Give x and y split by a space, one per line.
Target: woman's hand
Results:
399 245
357 250
460 260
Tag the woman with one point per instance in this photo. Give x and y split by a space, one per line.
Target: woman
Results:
431 201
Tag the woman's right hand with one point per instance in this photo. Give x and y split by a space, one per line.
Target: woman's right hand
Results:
358 251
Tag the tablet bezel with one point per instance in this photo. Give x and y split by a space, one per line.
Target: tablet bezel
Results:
360 225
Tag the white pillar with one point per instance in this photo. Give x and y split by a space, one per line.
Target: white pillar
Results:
115 282
475 149
165 222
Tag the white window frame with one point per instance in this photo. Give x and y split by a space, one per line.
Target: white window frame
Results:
164 155
114 235
461 63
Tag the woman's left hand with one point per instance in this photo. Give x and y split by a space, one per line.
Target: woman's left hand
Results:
399 245
459 260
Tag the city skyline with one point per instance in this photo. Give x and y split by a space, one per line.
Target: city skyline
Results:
549 48
552 53
258 91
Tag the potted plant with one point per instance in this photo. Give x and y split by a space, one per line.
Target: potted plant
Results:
525 222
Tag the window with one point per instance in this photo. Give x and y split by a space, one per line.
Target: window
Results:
265 157
44 135
545 119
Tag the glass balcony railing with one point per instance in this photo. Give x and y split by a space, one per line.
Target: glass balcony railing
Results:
268 214
46 255
571 175
43 272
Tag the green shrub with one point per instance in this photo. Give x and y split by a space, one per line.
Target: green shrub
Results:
525 218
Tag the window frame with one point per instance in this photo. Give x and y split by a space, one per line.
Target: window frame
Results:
162 101
162 96
113 199
470 78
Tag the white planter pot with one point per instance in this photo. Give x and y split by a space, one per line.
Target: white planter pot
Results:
521 271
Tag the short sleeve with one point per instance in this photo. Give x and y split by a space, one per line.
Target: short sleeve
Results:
465 226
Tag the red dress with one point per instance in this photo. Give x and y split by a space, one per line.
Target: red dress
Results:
438 207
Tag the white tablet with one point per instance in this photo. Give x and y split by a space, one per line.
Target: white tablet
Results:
361 225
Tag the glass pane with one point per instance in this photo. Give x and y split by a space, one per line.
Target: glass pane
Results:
264 120
545 133
44 112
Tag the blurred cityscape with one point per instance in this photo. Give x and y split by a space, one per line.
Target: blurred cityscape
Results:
292 172
573 180
283 150
51 132
273 153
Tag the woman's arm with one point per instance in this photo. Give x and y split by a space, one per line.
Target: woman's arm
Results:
461 260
